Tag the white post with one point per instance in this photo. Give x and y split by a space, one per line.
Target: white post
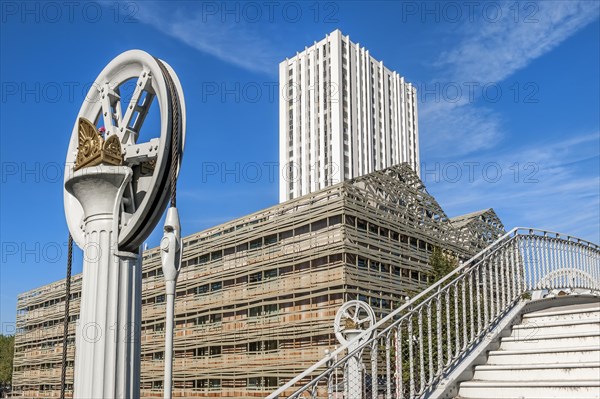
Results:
168 387
354 386
107 339
170 246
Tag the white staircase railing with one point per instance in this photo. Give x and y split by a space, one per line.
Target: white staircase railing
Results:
417 344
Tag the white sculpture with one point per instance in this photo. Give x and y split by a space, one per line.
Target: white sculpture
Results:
116 189
352 320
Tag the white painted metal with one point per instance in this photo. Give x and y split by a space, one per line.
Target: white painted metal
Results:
105 350
148 194
110 210
441 326
361 317
358 313
171 252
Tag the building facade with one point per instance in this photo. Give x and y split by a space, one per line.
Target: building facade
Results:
342 114
257 296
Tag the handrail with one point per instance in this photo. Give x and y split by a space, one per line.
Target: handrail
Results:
499 267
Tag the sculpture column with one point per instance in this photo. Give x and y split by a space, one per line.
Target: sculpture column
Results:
108 332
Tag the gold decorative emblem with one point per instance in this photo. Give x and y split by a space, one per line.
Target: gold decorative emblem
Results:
93 150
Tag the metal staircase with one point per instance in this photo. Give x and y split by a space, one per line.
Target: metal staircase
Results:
428 346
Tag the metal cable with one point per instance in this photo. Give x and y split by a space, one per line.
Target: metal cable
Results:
63 374
174 133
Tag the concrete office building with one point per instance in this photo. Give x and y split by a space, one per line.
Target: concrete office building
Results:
342 114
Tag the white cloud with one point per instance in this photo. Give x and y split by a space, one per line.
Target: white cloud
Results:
490 52
458 130
555 186
237 43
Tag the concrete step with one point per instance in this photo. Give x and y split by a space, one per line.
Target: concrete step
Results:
571 312
589 353
559 322
539 341
583 389
539 372
570 327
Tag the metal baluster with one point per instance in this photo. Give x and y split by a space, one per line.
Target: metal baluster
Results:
471 305
388 367
559 252
421 352
559 262
543 271
330 382
374 379
587 266
429 341
594 262
508 272
566 264
411 364
514 269
546 257
464 311
572 263
521 264
502 288
591 265
448 333
561 283
580 265
485 297
525 266
478 299
398 371
585 283
552 254
456 322
495 288
534 265
530 269
438 328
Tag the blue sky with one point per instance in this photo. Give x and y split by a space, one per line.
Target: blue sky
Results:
508 109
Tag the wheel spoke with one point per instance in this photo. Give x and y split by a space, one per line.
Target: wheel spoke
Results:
142 152
130 127
111 109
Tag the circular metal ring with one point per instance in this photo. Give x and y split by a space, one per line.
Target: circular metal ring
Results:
146 197
353 317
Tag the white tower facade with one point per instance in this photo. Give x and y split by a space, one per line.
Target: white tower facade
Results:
342 114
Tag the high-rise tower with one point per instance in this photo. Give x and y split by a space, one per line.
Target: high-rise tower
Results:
342 114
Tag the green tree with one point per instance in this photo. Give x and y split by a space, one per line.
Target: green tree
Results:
441 263
7 344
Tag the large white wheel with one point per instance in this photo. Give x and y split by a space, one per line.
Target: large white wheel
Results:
353 316
146 198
